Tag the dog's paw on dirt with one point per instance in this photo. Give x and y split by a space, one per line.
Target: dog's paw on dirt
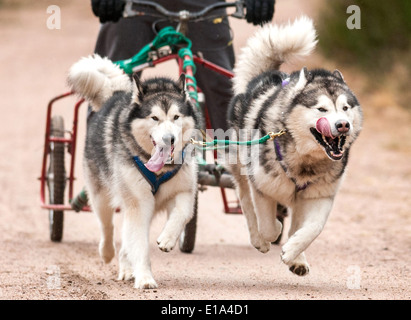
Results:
300 269
260 244
107 251
145 282
125 274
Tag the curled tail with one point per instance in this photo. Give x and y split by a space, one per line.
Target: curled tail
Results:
96 79
272 45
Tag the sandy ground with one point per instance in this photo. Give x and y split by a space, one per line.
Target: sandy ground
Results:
363 252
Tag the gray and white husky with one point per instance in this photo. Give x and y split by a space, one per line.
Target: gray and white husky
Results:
303 168
135 159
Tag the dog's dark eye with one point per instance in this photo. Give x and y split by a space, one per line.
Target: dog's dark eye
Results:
154 118
322 109
176 117
345 108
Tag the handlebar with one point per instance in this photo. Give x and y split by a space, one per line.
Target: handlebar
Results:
183 15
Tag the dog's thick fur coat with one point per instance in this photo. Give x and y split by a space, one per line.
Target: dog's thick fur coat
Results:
131 119
303 169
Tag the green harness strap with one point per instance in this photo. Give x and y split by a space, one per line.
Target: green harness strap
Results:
212 145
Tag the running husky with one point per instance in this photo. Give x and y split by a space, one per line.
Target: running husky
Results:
130 120
303 168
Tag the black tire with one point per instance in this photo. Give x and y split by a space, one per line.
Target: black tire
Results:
188 236
56 179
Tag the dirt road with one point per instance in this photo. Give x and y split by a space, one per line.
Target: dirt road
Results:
364 251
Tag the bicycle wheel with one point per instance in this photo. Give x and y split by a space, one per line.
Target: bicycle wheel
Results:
188 236
56 179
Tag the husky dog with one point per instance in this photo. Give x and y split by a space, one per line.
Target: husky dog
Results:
303 168
130 120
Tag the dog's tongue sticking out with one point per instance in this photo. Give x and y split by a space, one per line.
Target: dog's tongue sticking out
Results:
158 159
323 127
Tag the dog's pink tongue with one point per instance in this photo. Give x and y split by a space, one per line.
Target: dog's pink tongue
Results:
157 160
323 127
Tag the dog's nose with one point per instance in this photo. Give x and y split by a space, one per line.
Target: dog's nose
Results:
168 139
342 126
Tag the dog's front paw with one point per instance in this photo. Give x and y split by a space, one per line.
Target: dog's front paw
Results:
271 232
298 265
260 244
300 269
125 267
107 251
166 243
289 254
145 282
125 273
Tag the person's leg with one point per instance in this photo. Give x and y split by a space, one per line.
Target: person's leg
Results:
213 42
123 39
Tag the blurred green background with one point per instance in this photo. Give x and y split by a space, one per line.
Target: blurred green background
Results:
380 49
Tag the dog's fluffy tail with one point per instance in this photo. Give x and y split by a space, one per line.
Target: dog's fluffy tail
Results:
270 47
96 79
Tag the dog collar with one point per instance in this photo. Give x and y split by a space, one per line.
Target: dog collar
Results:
154 180
280 160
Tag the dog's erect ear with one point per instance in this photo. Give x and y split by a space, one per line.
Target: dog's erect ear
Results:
181 82
183 86
140 90
338 75
304 77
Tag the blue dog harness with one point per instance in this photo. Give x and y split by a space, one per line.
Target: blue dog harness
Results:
154 180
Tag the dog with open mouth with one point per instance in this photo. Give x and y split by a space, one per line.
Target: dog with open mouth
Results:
136 159
303 168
